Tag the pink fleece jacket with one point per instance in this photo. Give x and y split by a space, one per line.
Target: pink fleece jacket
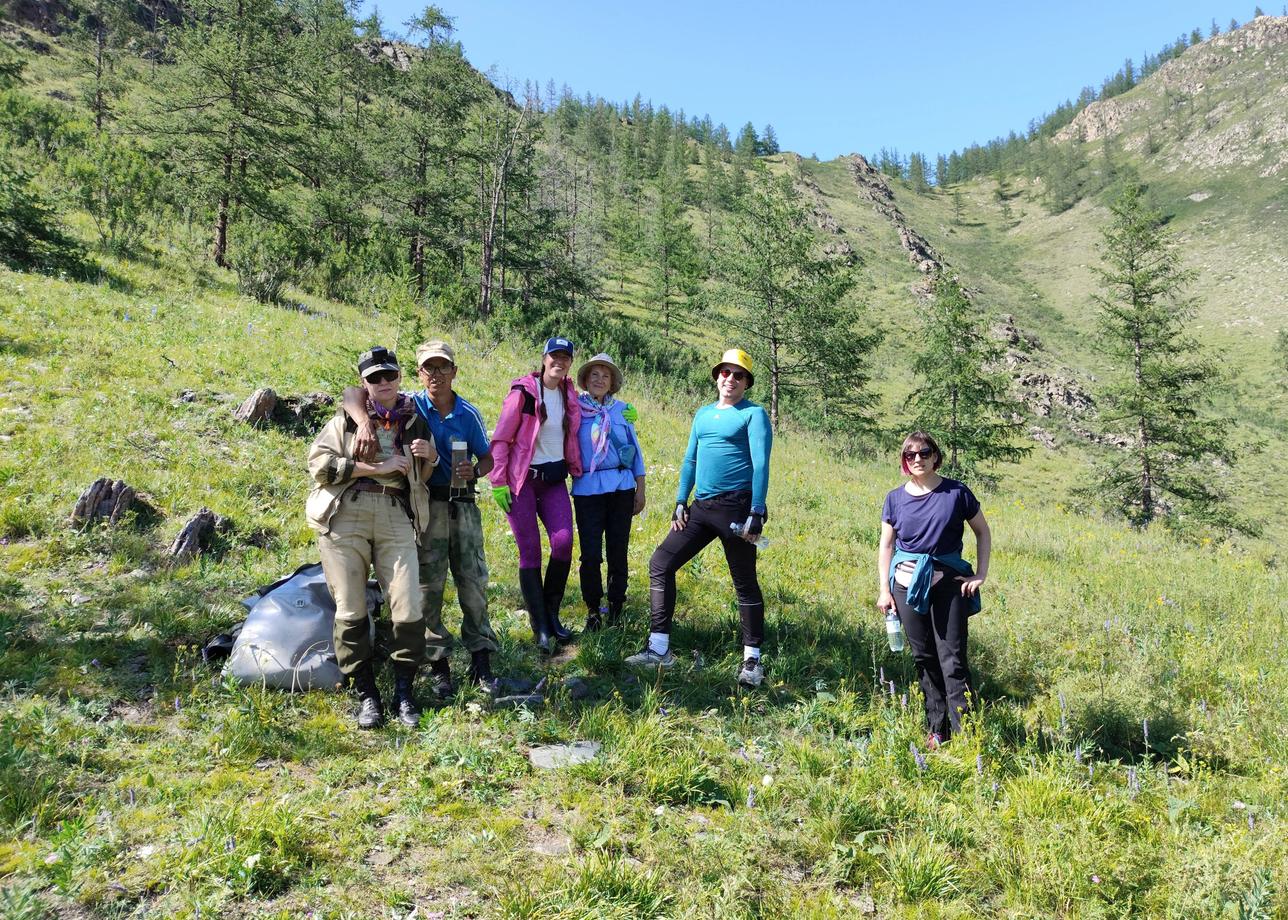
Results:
514 440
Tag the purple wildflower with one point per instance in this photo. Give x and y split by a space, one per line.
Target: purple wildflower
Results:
917 756
979 764
751 797
903 701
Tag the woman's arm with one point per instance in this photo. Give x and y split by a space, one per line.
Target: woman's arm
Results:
507 426
885 552
983 552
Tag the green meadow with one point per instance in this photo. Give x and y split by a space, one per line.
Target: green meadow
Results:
1129 758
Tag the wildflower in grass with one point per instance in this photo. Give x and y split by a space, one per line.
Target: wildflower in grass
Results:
979 764
1133 782
1091 772
1144 725
903 701
1064 714
1077 754
918 757
1251 821
751 797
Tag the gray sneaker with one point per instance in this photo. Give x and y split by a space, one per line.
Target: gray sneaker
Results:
751 674
647 658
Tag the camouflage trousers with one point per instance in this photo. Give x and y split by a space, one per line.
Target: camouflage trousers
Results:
454 542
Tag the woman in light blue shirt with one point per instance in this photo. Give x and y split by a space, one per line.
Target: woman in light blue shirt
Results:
610 490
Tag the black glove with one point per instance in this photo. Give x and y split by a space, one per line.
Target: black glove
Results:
755 523
681 514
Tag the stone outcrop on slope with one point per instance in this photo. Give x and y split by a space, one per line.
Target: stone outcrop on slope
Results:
1205 74
874 188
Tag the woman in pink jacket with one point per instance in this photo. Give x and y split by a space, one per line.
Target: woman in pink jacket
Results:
535 447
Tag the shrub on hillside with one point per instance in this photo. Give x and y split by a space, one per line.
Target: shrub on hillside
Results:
31 236
119 186
264 262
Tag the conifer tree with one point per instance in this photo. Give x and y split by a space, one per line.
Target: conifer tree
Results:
748 144
223 115
769 141
791 305
962 397
1163 381
917 169
671 245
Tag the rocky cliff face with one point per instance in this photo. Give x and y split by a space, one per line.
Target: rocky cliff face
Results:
1203 103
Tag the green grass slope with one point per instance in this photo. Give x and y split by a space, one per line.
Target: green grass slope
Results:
1215 120
1129 761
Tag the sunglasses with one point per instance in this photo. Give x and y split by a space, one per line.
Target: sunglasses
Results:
383 377
429 371
925 454
739 376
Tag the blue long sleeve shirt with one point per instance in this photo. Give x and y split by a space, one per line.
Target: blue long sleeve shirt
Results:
728 451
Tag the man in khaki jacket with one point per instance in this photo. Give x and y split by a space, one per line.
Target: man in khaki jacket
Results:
370 512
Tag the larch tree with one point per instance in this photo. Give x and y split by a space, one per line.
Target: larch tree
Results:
962 397
791 305
1162 384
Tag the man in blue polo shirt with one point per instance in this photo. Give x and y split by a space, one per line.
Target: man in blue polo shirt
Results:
454 538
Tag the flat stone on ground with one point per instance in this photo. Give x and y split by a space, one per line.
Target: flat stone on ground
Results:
553 756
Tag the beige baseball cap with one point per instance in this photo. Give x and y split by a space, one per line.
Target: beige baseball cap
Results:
436 348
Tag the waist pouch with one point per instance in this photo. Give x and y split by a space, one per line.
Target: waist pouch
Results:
554 471
903 574
726 500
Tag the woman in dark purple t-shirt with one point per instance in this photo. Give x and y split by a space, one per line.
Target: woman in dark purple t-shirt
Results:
922 523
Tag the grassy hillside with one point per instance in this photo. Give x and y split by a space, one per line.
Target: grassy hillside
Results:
137 782
1215 120
1129 759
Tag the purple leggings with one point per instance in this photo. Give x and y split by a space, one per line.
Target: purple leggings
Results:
549 501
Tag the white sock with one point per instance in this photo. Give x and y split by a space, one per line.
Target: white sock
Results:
659 643
750 651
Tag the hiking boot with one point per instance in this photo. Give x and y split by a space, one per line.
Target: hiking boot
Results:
646 658
751 674
371 712
480 672
405 706
595 620
614 617
440 678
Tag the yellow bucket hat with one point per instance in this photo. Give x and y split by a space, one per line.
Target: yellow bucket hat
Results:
738 358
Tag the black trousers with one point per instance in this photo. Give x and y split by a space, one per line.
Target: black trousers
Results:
604 519
709 519
938 642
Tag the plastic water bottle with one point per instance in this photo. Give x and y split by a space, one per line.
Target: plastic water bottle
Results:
460 454
894 631
761 540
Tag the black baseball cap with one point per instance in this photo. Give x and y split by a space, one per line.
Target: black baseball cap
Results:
377 359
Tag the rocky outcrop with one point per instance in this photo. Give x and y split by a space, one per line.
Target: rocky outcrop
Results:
1044 392
874 188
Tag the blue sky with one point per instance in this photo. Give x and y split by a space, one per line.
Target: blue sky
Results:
831 77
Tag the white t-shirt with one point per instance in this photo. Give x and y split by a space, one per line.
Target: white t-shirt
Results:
550 437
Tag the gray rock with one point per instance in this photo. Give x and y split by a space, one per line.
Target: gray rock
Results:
553 756
577 688
519 700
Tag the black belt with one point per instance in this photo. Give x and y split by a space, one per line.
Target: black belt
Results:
370 485
448 494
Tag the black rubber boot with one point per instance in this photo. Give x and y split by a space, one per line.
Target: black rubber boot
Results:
371 712
405 706
530 588
480 672
553 592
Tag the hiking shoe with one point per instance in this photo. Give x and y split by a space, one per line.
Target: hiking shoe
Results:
934 740
371 713
751 674
647 658
595 620
440 679
405 706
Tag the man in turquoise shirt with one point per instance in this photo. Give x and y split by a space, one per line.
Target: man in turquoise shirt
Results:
726 468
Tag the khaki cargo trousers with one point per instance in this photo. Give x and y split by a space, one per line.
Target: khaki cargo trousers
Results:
370 529
454 541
